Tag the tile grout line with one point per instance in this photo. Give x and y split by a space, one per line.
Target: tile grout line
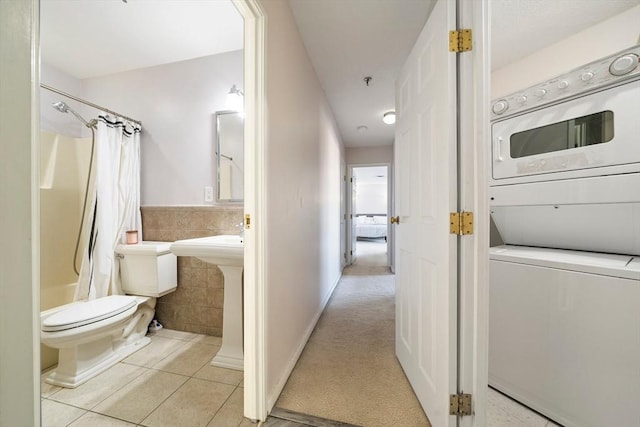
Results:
143 370
174 392
228 397
190 377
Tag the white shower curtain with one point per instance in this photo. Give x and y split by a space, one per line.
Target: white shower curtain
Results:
115 206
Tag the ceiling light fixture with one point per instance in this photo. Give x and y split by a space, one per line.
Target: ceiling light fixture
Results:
389 117
235 101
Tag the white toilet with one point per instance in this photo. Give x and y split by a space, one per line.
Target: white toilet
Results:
94 335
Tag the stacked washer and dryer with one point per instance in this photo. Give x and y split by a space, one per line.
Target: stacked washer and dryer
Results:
565 286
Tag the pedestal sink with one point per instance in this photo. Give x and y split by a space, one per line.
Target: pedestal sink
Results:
227 252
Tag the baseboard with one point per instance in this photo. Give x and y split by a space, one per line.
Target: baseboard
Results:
272 397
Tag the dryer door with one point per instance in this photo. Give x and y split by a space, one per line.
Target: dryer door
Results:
589 133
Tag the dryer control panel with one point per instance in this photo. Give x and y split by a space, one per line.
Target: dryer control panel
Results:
605 72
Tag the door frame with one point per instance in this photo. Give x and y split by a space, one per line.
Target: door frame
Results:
349 203
350 218
20 367
20 261
255 178
473 167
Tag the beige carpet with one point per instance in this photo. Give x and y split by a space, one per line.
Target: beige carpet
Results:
371 253
348 371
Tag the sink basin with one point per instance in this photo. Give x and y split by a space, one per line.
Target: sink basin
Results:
227 252
218 250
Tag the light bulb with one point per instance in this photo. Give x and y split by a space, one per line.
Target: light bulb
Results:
235 99
389 117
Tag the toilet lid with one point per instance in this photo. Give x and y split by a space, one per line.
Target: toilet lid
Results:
87 312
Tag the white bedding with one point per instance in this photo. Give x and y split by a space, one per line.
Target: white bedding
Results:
371 226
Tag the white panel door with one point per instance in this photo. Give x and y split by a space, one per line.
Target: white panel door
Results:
426 192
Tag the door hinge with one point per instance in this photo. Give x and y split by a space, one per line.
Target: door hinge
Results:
247 221
350 252
461 223
460 40
460 404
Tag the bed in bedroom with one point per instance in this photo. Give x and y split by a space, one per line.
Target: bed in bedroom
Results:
371 226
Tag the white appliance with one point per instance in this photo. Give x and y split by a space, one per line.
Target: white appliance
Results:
564 334
566 160
565 188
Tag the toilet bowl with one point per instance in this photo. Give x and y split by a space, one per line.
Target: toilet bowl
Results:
94 335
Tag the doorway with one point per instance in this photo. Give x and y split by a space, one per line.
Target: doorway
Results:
368 225
254 405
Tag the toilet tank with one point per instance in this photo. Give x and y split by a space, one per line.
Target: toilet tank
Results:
148 269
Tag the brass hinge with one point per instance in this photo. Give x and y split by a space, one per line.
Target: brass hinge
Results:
461 223
460 40
460 404
247 221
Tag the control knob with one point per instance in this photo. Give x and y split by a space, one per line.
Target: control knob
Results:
540 93
624 64
563 84
500 106
521 99
585 77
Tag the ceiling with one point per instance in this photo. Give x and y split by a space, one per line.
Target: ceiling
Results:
96 38
347 40
350 40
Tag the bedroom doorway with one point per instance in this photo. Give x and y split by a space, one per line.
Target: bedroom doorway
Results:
368 227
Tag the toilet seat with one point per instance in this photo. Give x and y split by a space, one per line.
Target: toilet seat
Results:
87 312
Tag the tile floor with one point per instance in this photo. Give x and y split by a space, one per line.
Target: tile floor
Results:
168 383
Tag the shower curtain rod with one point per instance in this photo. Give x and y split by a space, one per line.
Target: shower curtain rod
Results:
91 104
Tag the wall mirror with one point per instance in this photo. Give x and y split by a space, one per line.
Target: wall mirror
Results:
230 156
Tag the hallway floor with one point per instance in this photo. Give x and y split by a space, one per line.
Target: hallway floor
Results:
348 371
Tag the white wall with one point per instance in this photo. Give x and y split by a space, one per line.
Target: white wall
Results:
369 155
53 120
176 104
304 154
19 322
371 198
606 38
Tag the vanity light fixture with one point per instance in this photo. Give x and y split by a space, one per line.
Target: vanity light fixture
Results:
235 101
389 117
